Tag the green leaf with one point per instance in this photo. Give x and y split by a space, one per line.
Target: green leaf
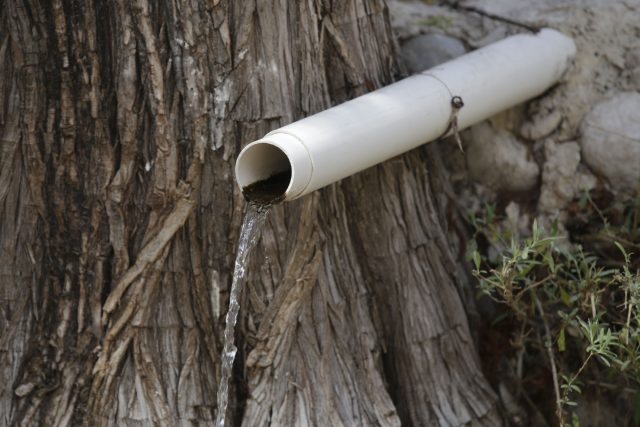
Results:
550 262
619 246
499 318
565 297
584 199
476 259
604 360
624 334
561 341
575 421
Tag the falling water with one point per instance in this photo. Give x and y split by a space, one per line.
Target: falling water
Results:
253 221
262 196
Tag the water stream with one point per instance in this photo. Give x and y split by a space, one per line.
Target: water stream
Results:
261 197
250 231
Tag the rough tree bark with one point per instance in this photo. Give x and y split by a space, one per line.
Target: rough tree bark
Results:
120 122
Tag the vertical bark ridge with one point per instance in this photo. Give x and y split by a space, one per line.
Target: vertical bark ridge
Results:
86 182
436 376
178 60
18 213
316 358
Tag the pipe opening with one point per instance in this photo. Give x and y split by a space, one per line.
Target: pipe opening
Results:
264 173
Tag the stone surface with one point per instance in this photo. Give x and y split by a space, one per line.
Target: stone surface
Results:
610 140
541 125
425 51
516 221
632 67
632 58
562 177
497 159
412 18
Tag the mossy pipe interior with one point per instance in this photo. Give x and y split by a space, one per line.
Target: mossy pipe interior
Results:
343 140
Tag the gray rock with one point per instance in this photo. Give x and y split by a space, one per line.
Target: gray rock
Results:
516 221
562 179
634 77
632 58
632 66
410 18
423 52
497 159
541 126
610 140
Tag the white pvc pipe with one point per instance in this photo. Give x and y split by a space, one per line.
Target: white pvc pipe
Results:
372 128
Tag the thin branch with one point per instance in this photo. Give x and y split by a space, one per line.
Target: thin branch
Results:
554 370
533 286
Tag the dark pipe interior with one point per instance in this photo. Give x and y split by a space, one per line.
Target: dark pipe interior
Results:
268 191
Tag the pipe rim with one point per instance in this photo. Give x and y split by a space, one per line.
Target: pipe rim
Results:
275 153
262 160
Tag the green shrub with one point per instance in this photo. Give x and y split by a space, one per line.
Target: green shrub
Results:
581 311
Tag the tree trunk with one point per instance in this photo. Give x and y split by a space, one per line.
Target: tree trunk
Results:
120 124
